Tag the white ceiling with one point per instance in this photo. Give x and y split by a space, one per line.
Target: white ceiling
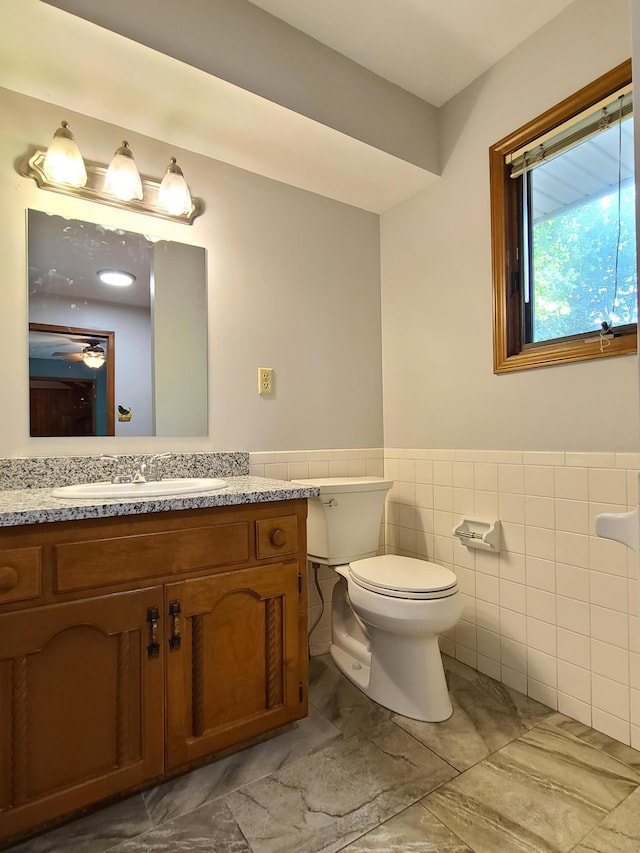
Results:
66 254
433 48
422 43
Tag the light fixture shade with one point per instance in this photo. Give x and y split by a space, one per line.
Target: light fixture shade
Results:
123 179
94 356
174 195
63 163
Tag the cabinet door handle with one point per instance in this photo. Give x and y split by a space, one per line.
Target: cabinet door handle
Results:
153 618
8 578
278 537
176 637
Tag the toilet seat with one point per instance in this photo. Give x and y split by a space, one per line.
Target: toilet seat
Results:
403 577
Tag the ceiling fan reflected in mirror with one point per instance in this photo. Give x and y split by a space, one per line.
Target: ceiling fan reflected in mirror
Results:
93 355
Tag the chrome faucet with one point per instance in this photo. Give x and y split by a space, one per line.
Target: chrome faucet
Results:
148 469
146 472
140 475
120 476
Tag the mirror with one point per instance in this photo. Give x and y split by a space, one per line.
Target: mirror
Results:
115 359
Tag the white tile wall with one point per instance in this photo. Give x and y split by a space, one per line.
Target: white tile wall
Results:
555 613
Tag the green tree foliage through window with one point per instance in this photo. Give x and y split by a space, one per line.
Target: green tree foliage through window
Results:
574 267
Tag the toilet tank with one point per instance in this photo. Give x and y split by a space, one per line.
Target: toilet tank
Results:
344 521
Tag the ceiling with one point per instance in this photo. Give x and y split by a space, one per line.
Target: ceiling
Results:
432 48
587 172
66 254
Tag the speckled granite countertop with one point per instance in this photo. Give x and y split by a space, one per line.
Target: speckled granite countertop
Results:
34 506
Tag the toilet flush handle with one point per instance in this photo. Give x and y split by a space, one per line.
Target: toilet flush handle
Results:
332 503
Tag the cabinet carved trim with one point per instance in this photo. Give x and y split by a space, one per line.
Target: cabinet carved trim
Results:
124 678
197 674
19 721
274 634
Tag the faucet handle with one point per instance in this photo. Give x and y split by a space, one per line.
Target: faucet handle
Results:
151 469
120 476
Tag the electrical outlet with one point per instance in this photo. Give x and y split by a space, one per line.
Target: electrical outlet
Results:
265 380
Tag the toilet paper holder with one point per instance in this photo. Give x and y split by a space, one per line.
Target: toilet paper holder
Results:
475 533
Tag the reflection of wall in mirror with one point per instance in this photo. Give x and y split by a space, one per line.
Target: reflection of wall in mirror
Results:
179 329
132 327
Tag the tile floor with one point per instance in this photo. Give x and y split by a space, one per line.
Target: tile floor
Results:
503 774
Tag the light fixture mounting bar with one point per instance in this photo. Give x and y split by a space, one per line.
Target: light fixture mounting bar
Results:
33 167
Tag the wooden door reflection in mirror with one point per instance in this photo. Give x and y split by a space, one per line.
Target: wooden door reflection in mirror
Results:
67 396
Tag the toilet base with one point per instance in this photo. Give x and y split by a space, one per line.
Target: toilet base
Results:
397 688
355 670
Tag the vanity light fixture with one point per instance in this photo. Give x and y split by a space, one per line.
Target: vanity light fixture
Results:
123 178
117 278
62 169
63 161
94 356
174 195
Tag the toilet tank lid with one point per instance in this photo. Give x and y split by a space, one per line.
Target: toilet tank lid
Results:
347 484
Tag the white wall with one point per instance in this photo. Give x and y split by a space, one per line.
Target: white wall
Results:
439 388
293 280
239 42
179 340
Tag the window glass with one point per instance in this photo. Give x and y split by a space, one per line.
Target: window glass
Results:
583 247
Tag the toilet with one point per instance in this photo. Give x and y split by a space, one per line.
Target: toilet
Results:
387 610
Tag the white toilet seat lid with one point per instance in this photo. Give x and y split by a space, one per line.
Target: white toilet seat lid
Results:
403 577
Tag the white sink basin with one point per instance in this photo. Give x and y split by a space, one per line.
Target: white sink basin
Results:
178 486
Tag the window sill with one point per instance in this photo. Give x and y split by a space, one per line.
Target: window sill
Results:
563 352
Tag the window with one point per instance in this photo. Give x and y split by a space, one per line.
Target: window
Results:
563 231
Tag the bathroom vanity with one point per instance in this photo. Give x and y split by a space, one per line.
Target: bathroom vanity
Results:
137 644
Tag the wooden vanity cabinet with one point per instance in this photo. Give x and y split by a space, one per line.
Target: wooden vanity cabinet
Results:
81 706
236 673
132 648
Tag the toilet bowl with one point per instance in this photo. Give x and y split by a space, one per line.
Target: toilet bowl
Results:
387 611
394 657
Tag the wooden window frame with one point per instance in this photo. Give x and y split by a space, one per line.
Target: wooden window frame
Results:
509 352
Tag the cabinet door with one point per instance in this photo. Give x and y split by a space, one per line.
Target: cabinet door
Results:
237 671
81 711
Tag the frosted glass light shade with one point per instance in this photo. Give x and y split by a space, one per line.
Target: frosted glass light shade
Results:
63 163
123 179
174 195
94 356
